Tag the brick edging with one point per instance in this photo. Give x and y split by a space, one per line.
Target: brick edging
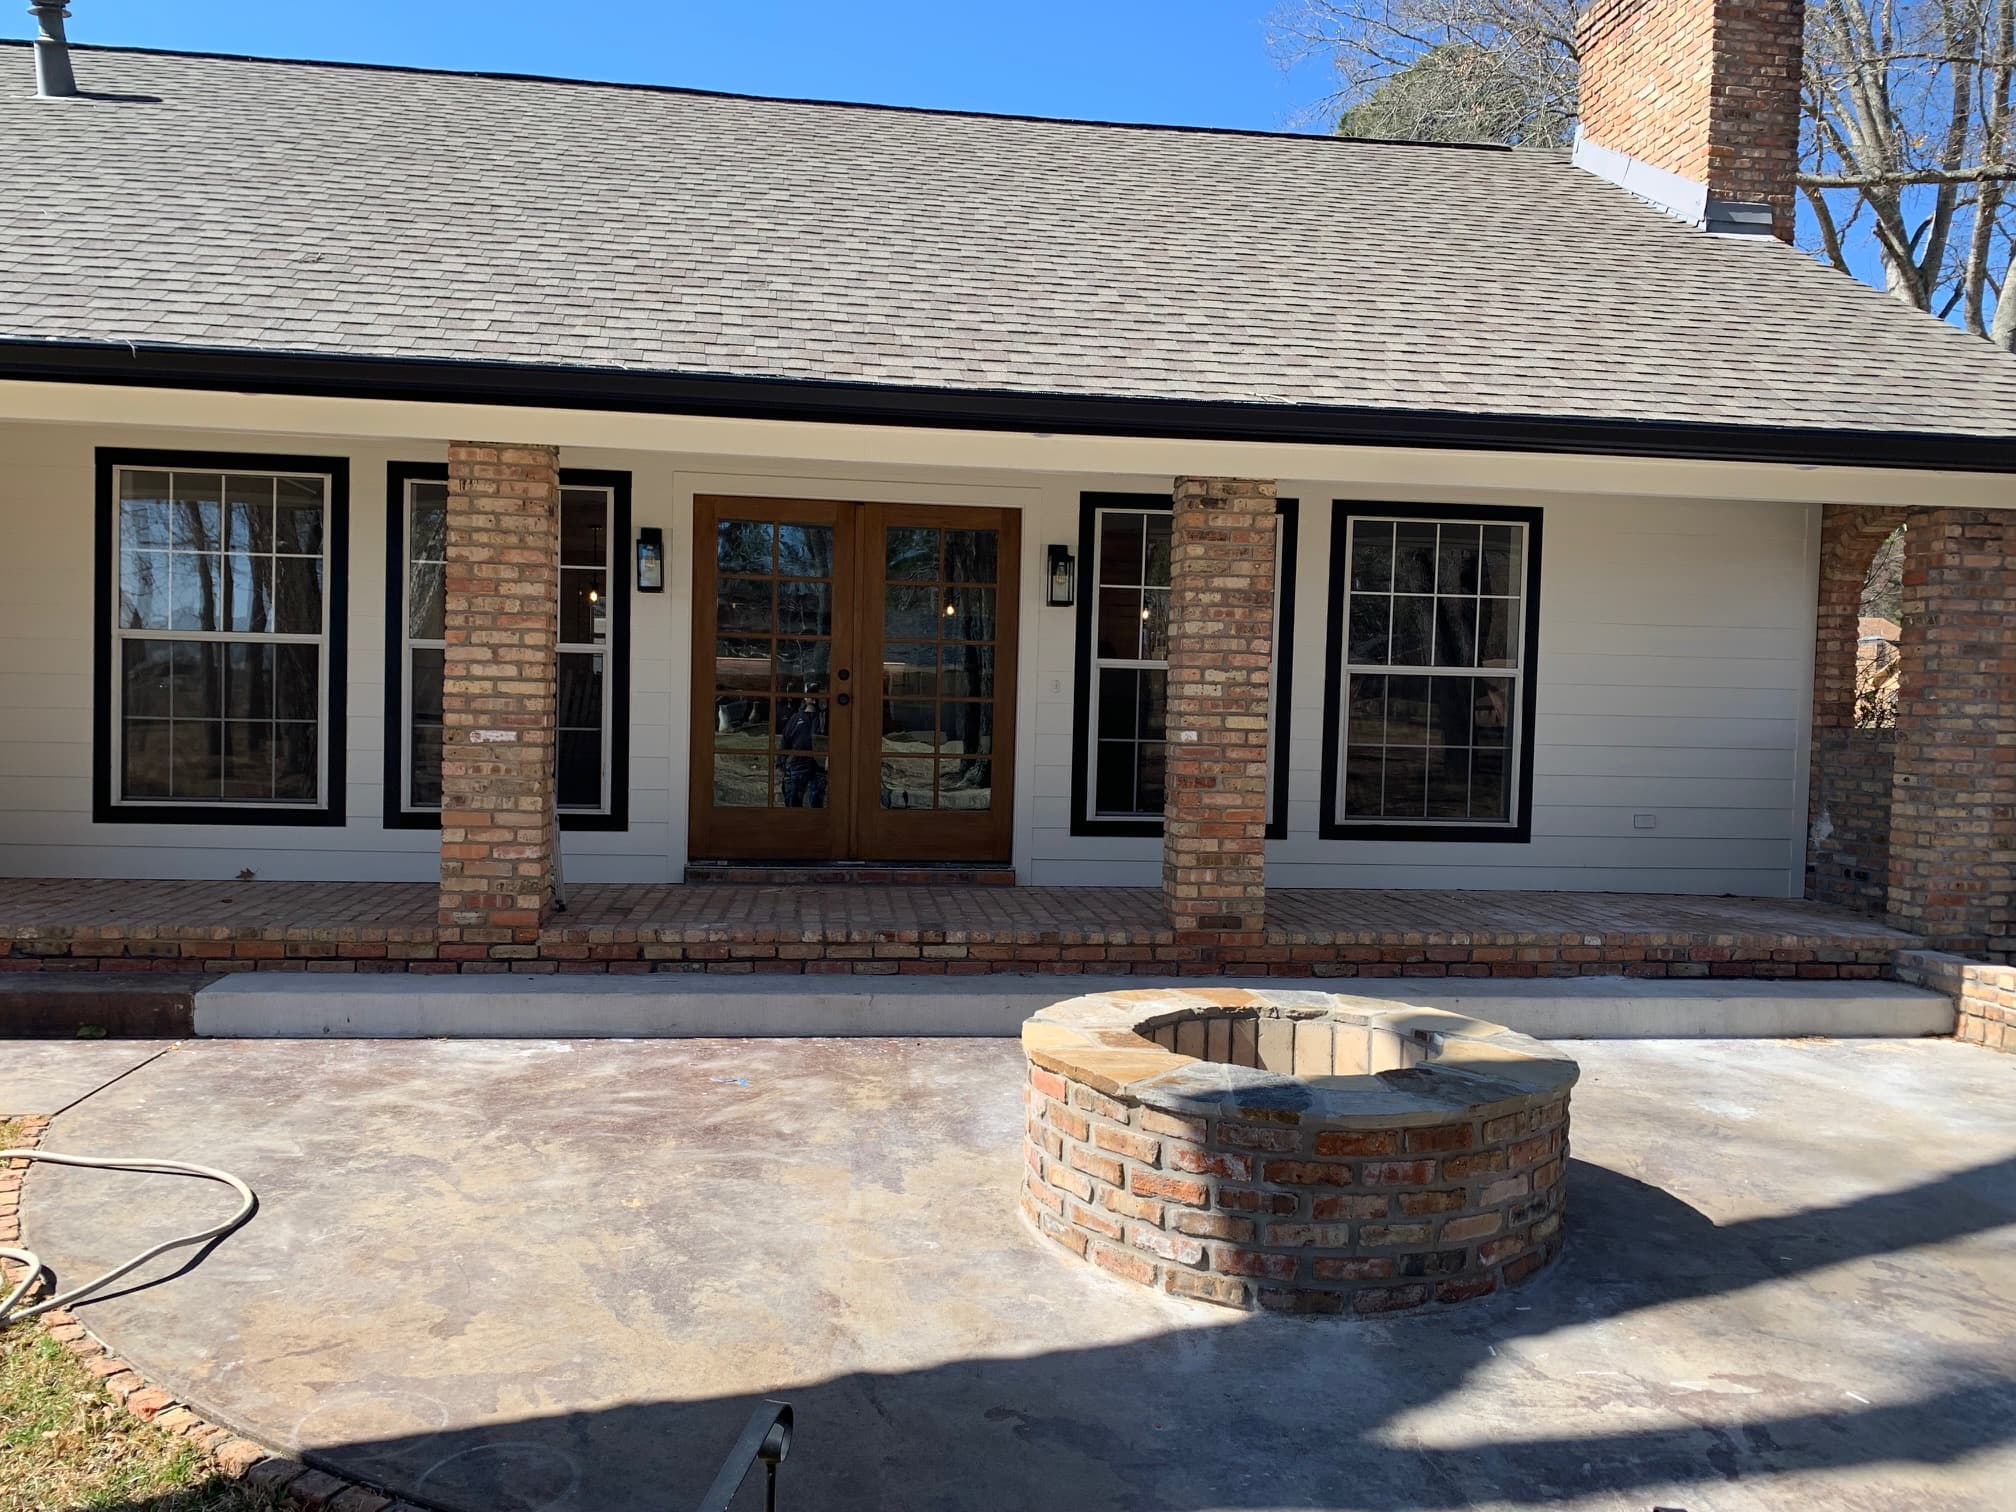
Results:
230 1453
1117 951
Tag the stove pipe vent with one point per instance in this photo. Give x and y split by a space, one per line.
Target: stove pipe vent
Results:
53 78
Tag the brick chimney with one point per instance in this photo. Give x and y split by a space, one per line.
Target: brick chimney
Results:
1694 105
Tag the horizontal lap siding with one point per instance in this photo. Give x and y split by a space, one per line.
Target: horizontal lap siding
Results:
47 503
1675 641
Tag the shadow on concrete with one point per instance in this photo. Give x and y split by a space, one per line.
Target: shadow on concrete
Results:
1266 1412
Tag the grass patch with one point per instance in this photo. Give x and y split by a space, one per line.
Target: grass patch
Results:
66 1446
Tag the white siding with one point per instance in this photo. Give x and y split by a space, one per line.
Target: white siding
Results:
1675 657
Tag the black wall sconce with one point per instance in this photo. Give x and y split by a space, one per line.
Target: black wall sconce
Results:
651 560
1060 584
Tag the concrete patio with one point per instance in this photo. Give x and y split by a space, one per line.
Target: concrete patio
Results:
557 1275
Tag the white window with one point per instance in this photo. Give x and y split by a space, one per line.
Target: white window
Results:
1129 584
1124 661
587 732
1436 663
219 693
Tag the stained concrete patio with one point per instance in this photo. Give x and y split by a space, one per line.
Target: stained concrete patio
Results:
551 1275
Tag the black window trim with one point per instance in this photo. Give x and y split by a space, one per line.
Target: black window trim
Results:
1331 825
334 737
1282 689
397 816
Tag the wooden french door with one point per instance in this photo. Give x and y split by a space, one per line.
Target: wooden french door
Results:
853 681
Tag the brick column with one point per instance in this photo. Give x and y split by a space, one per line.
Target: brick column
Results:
1848 799
499 694
1221 653
1953 801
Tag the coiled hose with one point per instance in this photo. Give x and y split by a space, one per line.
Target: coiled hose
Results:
11 1312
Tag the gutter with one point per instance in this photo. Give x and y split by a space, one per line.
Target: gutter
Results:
520 385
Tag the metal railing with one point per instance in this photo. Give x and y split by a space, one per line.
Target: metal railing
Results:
768 1438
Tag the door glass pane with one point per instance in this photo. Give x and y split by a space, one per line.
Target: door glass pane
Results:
907 726
910 614
804 666
741 781
741 723
743 546
803 724
743 664
972 556
911 554
802 781
804 608
969 614
907 783
805 551
965 784
742 604
965 729
910 668
966 671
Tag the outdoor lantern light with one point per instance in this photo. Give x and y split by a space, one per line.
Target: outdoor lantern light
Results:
1062 585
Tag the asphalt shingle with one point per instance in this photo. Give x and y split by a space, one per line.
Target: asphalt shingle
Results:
312 208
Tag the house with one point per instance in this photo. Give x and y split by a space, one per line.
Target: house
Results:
395 460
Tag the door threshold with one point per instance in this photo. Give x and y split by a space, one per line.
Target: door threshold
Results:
859 873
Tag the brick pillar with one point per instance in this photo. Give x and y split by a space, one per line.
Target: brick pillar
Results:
499 694
1848 797
1221 653
1953 801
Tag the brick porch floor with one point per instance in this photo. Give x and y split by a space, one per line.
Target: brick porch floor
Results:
221 926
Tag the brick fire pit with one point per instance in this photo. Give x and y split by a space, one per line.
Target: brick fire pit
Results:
1297 1151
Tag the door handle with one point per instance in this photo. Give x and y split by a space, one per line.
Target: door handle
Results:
843 700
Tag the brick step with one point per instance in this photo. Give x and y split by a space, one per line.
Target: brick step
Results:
853 873
116 1005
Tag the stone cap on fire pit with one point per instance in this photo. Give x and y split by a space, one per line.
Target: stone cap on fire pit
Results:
1329 1058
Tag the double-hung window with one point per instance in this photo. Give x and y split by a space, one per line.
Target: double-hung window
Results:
1123 665
220 640
593 672
1430 724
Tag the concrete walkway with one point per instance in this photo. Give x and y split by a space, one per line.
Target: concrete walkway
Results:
500 1276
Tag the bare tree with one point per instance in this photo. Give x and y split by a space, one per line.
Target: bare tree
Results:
1906 143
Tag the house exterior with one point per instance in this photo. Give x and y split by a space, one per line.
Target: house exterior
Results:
415 476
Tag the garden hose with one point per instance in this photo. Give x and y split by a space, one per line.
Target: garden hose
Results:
247 1204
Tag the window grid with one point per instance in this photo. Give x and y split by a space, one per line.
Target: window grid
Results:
1437 658
238 592
1128 738
583 694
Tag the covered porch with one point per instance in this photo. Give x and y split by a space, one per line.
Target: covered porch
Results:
209 926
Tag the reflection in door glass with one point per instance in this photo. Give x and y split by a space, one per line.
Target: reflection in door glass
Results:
939 626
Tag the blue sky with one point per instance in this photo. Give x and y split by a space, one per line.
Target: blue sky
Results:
1193 62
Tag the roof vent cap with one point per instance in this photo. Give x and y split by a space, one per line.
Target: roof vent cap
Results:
53 78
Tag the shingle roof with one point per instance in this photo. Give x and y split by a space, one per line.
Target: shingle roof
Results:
338 210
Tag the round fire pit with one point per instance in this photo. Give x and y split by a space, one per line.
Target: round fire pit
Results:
1303 1152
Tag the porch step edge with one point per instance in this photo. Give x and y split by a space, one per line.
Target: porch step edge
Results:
683 1005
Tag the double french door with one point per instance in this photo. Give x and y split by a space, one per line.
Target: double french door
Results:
853 681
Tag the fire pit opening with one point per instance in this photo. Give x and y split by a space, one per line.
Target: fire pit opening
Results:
1296 1151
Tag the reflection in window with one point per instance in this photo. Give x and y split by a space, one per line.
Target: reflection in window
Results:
584 733
1434 663
940 639
1130 661
221 631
